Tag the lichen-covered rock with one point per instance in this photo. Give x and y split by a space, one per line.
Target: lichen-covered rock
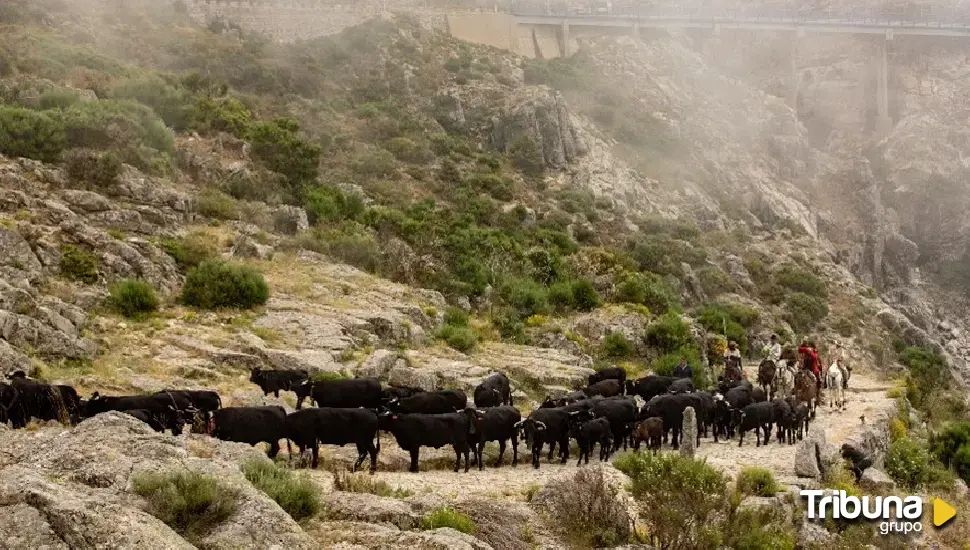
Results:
403 375
808 456
877 481
378 365
371 509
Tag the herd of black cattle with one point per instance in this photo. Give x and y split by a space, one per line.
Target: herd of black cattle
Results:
355 411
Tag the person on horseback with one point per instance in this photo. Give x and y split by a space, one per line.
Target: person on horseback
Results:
732 362
772 350
810 355
838 357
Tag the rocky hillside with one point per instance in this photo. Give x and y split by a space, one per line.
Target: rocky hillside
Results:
423 211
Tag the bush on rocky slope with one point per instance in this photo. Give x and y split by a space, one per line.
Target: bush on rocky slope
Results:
133 298
296 494
188 502
216 284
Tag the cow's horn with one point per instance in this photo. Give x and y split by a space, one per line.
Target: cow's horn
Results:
519 423
540 425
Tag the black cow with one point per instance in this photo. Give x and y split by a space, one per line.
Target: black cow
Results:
547 426
494 391
649 386
758 417
723 386
498 424
606 388
670 408
330 426
650 430
800 411
723 418
739 397
758 395
29 398
432 402
621 412
147 417
167 408
413 431
205 402
613 373
858 460
784 418
392 392
341 393
703 403
681 385
275 381
591 432
251 425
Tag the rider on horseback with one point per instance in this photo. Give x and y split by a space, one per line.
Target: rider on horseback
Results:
772 350
732 362
810 358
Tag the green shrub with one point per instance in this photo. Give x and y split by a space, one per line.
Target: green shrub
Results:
526 296
757 482
58 98
216 284
171 104
665 364
30 134
190 250
907 462
617 346
728 320
257 185
115 124
761 528
897 429
408 151
296 495
216 204
648 289
928 373
669 333
190 503
220 115
350 245
509 325
664 255
797 279
364 483
79 265
804 311
133 298
700 490
584 295
527 156
448 517
715 281
93 169
377 163
462 339
456 317
951 446
279 147
329 204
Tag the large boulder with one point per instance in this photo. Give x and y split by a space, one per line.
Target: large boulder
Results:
877 481
378 365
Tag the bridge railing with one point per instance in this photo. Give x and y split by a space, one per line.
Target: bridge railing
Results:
849 16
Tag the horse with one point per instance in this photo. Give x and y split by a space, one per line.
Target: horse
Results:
732 369
834 379
784 380
806 390
766 377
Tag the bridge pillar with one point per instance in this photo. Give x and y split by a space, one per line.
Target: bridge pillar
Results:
884 123
565 38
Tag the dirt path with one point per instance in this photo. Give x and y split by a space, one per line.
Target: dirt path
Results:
867 396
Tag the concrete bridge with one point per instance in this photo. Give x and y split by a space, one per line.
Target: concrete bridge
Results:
603 15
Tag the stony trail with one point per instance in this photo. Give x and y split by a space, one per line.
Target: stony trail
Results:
867 396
